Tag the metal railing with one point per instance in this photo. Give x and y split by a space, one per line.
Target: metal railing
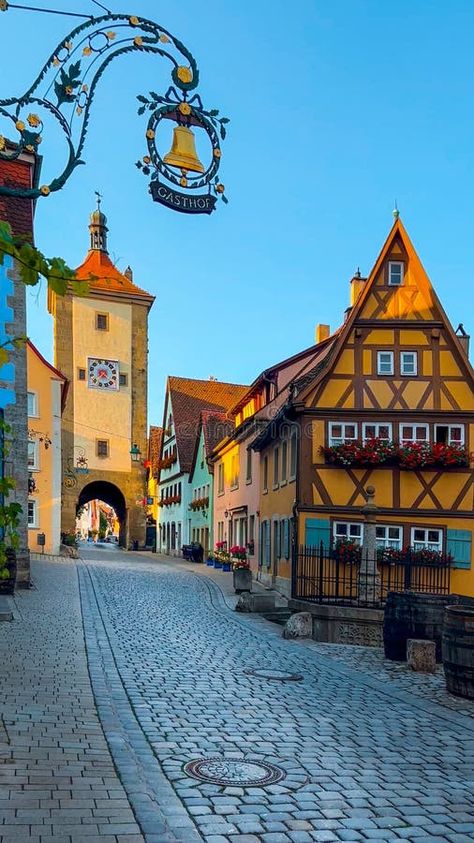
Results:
321 575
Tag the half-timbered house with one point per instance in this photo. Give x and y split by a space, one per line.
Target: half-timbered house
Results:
391 406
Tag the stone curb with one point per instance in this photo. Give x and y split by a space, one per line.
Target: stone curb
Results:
151 796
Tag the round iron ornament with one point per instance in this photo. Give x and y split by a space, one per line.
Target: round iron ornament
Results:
234 773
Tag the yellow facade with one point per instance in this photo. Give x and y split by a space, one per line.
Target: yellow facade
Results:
45 393
397 373
102 415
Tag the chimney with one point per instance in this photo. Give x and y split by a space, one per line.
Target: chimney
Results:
357 285
463 339
322 332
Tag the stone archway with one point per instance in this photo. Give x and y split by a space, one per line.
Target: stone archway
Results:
109 493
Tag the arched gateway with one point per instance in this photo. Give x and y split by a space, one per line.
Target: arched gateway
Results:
101 345
107 492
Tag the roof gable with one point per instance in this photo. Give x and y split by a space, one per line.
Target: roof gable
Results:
412 303
187 398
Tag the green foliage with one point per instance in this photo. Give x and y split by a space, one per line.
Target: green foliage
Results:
33 265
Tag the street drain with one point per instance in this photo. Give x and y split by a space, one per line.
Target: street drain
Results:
242 773
275 675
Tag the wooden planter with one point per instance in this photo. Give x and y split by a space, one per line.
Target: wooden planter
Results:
458 650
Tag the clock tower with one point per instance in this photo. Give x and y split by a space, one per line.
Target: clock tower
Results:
101 345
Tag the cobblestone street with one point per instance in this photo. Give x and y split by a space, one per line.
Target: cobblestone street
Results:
367 752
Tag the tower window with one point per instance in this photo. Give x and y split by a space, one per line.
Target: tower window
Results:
123 379
81 374
395 273
102 448
102 321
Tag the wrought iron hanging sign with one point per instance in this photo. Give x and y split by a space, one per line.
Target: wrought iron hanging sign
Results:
64 91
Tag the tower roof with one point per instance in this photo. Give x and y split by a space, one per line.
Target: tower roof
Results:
107 278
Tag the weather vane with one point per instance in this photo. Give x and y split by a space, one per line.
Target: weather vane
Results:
63 93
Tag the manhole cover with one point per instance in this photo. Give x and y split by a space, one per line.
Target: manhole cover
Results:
276 675
243 773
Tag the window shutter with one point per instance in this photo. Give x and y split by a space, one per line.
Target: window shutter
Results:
317 530
268 545
458 544
286 539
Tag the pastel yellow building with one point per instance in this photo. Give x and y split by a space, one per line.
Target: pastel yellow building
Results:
47 390
389 404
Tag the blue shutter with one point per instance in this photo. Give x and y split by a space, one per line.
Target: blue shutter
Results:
286 539
458 544
261 549
268 543
317 530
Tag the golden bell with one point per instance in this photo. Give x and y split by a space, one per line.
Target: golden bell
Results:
183 151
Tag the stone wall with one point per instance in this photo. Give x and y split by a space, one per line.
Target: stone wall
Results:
343 624
16 415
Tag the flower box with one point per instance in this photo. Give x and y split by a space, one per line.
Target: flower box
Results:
411 455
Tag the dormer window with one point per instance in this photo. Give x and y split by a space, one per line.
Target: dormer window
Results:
395 273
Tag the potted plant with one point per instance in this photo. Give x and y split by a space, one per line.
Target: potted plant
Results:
242 575
210 559
226 561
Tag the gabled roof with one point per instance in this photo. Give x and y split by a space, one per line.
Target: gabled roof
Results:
56 374
215 426
109 278
155 439
397 232
189 397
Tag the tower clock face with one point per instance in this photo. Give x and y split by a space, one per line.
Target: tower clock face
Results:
103 374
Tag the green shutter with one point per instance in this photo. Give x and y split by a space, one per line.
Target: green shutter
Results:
458 544
317 530
286 539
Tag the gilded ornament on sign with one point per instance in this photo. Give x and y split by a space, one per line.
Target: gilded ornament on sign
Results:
61 92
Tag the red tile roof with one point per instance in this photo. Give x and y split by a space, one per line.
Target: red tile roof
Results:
108 277
155 439
189 397
17 210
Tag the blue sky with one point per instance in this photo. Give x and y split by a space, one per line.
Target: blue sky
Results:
337 107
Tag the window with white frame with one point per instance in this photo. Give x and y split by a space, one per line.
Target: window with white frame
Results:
408 363
33 455
293 455
284 460
385 362
248 473
347 531
426 538
32 514
387 536
377 430
32 404
220 479
414 433
395 273
449 434
276 466
342 433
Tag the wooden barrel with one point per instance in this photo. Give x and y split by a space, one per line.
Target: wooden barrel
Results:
410 614
458 650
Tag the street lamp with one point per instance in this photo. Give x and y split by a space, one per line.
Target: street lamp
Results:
64 91
135 453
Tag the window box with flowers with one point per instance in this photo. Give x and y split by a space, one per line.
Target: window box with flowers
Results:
168 461
347 551
369 452
409 455
199 503
170 500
